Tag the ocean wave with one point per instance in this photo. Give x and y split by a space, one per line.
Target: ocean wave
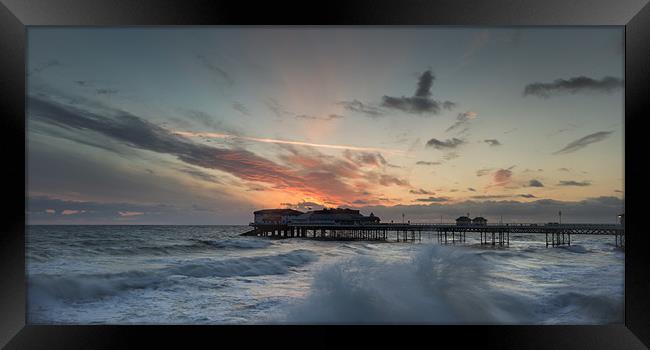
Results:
81 287
440 285
238 243
576 249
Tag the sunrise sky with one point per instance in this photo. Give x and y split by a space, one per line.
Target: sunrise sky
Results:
205 125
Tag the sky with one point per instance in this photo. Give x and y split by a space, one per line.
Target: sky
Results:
204 125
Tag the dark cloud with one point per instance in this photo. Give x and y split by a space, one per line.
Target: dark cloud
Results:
527 196
462 120
535 183
584 142
421 102
359 107
433 199
421 191
448 105
222 74
573 86
563 169
492 142
141 134
483 172
447 144
574 183
327 117
422 162
471 189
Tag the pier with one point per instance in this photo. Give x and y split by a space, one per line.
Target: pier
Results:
495 235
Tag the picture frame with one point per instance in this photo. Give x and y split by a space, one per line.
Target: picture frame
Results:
16 16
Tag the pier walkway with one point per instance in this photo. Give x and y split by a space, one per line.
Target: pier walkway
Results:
495 234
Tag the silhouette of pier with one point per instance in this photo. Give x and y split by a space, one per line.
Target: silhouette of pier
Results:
499 234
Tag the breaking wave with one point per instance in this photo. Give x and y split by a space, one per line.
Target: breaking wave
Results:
439 285
80 287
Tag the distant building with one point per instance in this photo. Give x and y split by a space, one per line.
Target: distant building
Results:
463 221
275 216
480 221
338 216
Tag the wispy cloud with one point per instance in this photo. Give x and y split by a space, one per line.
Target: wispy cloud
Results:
324 118
462 120
574 183
285 142
219 72
433 199
359 107
584 142
422 162
573 86
421 191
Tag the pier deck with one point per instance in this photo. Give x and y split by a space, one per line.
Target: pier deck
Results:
555 234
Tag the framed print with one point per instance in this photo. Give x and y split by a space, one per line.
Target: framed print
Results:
195 170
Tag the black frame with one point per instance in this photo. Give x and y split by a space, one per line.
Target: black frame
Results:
15 15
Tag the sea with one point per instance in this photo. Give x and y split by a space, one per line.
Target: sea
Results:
212 275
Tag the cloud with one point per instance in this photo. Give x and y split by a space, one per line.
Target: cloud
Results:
471 189
326 118
433 199
421 102
590 210
421 191
535 183
279 110
138 133
462 120
492 142
387 180
365 158
304 205
104 91
563 169
200 175
574 183
584 142
241 108
573 86
502 177
359 107
483 172
447 144
448 105
422 162
222 74
527 196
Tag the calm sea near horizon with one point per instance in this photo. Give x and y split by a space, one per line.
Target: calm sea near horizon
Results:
211 275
